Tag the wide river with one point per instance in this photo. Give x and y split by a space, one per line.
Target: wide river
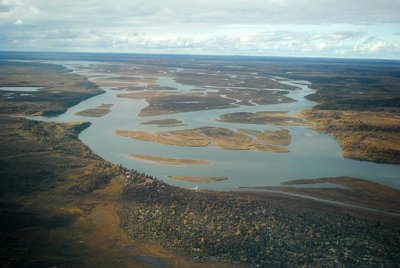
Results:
312 154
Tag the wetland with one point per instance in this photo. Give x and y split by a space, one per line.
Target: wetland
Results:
119 190
278 140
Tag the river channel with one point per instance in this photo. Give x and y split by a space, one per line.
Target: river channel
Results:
312 154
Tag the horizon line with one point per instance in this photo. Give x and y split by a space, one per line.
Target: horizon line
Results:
199 55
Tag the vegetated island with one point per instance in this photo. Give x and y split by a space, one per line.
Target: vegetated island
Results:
169 161
162 102
355 191
164 122
198 179
99 111
274 118
267 141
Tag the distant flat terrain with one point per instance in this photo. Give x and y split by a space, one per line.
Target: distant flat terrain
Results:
59 88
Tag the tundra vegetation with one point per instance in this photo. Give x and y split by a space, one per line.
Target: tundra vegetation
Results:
161 102
62 205
59 203
363 135
171 102
270 118
259 228
354 191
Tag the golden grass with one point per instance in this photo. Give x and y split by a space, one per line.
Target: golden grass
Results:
272 118
169 161
221 137
279 137
198 179
188 138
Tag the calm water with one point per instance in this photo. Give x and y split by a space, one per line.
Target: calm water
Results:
312 154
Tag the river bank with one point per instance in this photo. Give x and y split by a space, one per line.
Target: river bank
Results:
65 205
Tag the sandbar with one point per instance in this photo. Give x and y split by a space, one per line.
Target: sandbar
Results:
169 161
220 137
198 179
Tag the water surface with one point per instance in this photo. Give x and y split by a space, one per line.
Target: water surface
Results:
312 154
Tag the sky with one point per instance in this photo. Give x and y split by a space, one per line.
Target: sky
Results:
304 28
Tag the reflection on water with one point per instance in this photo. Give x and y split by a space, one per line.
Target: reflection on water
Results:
312 154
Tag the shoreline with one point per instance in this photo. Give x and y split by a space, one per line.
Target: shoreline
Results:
223 138
136 196
169 161
83 210
198 179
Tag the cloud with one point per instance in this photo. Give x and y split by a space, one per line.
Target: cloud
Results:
371 47
4 7
376 46
263 27
206 11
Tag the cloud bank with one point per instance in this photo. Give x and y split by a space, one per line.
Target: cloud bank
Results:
358 28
